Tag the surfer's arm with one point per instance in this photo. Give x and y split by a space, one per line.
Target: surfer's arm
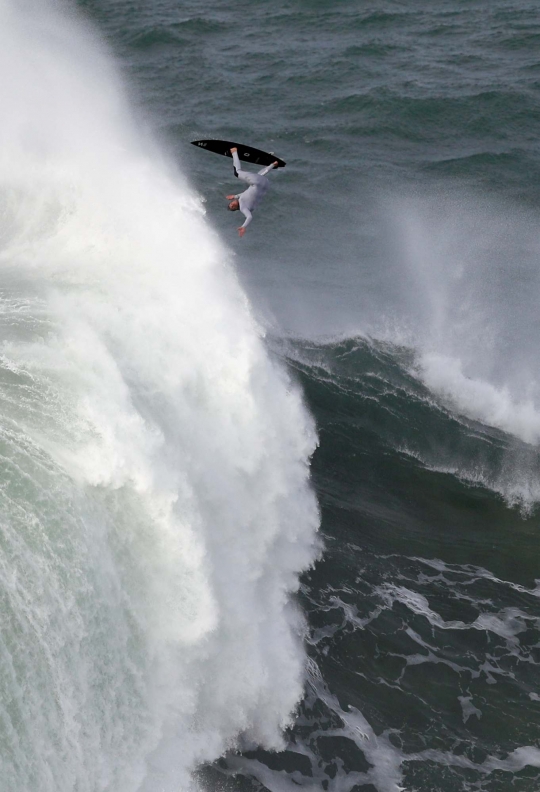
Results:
247 214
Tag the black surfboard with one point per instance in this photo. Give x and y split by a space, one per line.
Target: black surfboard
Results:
245 153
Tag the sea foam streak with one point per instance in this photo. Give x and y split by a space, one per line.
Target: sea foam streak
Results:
155 498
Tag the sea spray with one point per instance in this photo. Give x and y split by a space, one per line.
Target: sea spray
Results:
155 498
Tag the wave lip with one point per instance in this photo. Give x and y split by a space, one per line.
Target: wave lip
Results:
480 399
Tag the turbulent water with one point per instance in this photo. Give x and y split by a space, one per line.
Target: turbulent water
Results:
182 410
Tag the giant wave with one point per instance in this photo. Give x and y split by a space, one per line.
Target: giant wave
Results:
155 497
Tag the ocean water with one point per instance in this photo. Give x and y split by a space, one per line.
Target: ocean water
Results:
270 506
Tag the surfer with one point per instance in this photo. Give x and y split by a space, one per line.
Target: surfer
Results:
248 201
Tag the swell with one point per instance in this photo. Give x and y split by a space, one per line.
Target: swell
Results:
401 401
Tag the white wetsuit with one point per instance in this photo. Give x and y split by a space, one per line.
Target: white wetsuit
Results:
258 186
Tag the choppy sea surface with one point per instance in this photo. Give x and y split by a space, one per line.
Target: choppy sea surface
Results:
270 506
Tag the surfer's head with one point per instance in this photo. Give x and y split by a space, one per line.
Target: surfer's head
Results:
234 205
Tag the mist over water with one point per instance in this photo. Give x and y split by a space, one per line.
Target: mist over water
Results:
156 510
456 278
471 279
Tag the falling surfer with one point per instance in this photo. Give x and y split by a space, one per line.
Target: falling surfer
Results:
248 201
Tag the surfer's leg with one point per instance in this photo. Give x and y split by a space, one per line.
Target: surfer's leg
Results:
236 162
249 178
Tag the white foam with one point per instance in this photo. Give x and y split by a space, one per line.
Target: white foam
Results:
524 756
507 624
468 708
469 280
474 573
479 399
176 450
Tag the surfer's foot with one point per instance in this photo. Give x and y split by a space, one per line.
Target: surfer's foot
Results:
233 150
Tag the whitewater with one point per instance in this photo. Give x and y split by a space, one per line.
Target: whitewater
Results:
156 509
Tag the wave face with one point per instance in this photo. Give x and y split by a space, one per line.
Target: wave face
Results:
386 385
155 499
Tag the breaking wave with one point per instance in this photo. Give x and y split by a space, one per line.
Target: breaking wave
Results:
154 487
